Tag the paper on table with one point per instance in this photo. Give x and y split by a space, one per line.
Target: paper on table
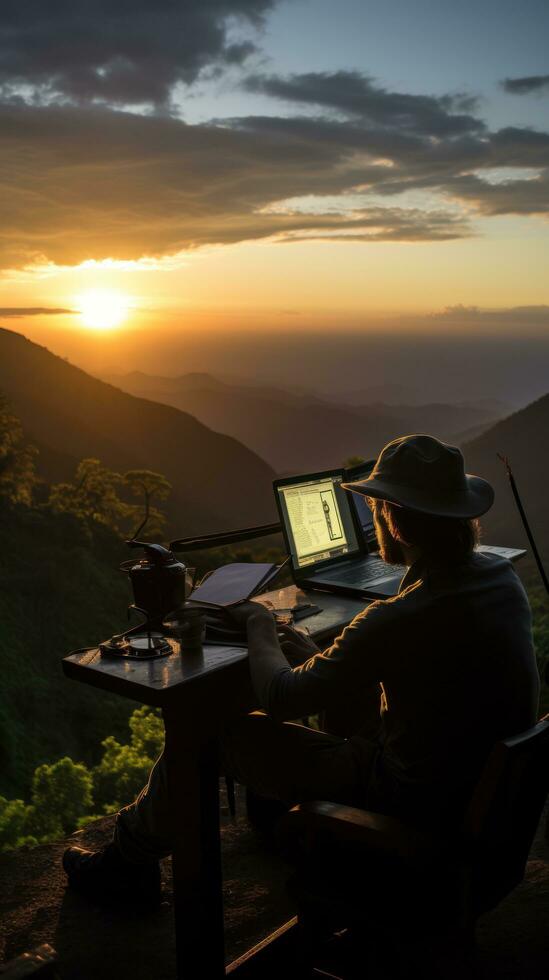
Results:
233 583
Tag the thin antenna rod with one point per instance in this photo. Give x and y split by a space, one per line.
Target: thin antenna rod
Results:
145 519
506 463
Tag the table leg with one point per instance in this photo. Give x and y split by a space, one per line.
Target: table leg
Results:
193 785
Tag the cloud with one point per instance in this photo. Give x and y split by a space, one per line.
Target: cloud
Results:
513 197
89 180
510 321
15 311
386 225
97 184
526 84
120 53
476 314
452 167
90 183
356 95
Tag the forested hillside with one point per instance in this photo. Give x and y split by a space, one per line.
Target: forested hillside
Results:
60 589
218 483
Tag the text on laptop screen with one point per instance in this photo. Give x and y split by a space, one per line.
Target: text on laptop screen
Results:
318 520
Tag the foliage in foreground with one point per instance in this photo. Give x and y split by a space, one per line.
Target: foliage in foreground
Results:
66 794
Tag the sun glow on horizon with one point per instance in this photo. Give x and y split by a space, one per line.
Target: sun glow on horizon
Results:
103 309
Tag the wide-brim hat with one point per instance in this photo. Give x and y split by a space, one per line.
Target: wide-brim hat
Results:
423 474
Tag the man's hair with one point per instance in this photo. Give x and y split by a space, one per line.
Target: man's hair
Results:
445 538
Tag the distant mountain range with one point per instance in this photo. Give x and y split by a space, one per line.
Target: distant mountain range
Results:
217 482
301 432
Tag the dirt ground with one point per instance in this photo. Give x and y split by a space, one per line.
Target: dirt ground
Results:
35 907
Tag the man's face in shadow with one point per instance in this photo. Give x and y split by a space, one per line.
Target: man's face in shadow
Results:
390 547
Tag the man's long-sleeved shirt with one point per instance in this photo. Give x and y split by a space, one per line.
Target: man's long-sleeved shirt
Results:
454 656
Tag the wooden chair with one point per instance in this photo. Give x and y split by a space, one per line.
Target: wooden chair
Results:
361 869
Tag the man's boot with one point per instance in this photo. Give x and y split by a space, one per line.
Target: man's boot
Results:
107 878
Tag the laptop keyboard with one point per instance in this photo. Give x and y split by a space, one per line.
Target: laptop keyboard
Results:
373 571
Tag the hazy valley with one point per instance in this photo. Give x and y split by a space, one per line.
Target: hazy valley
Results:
299 432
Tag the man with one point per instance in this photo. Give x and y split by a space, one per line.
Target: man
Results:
452 652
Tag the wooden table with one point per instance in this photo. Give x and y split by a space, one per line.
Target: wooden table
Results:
197 692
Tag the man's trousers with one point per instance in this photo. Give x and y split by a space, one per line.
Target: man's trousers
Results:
281 761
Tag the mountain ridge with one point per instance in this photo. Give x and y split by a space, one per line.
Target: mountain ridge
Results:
73 414
524 438
298 433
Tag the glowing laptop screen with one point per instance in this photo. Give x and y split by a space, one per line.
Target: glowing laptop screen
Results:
318 520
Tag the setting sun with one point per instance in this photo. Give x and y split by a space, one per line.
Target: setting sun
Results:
102 309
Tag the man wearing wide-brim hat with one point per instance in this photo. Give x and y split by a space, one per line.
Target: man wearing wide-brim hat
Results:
452 654
426 476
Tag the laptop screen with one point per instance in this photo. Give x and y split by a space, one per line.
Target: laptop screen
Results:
317 518
363 512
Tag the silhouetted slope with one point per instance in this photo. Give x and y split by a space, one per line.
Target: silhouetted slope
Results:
53 465
217 482
524 438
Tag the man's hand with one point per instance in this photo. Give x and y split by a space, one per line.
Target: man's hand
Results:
244 611
259 623
296 647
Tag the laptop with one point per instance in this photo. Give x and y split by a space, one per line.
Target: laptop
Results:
365 520
363 513
324 538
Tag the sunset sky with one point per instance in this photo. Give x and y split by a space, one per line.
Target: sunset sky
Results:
174 169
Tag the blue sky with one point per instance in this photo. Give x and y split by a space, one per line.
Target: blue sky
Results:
416 46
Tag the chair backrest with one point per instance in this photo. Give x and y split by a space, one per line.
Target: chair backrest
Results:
504 812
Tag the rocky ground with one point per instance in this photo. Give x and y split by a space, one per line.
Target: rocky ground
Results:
35 907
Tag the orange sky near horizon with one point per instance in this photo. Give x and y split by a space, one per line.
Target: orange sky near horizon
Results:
298 286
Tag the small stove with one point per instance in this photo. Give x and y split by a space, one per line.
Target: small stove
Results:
137 646
159 586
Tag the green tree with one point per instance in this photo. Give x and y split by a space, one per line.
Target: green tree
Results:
96 495
151 487
65 794
17 459
124 769
93 496
61 794
14 818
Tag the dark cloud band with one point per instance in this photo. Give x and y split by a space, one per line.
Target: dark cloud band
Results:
15 311
356 95
526 84
119 53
